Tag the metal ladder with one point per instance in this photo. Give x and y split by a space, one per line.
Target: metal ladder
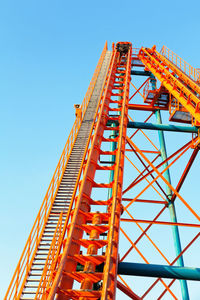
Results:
66 188
86 270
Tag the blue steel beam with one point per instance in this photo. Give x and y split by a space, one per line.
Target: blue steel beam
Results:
175 231
163 127
172 211
160 271
140 73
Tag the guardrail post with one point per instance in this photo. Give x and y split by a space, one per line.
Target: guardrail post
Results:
17 282
28 255
38 228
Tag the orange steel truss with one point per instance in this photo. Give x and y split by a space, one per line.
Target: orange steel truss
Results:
126 187
187 69
17 283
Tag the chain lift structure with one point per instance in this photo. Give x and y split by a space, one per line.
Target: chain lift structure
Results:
116 221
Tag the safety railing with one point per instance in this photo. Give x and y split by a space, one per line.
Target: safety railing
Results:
23 267
174 105
193 73
146 89
51 261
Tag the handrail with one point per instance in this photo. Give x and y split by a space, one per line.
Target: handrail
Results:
56 262
50 261
146 90
23 267
176 87
193 73
76 209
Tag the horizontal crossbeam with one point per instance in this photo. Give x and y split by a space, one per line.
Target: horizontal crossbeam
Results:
140 73
163 127
162 271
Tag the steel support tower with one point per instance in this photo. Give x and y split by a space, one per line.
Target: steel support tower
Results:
116 221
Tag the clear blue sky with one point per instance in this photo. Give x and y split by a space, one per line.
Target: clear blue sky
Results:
48 52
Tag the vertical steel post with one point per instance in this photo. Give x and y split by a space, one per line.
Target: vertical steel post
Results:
113 147
175 231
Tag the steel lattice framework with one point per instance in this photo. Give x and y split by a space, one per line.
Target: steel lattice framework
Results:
109 211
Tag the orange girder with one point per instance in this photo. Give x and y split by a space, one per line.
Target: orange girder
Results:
120 67
27 258
83 255
156 63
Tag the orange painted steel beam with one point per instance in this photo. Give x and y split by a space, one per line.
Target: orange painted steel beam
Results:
128 292
146 261
180 73
146 201
67 270
185 147
138 90
143 233
145 151
157 151
82 201
25 262
148 171
139 176
144 122
173 262
112 250
179 90
160 174
91 238
145 179
170 186
51 259
185 172
150 240
190 71
160 222
143 107
164 292
151 171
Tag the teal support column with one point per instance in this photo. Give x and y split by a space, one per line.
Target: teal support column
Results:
175 231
